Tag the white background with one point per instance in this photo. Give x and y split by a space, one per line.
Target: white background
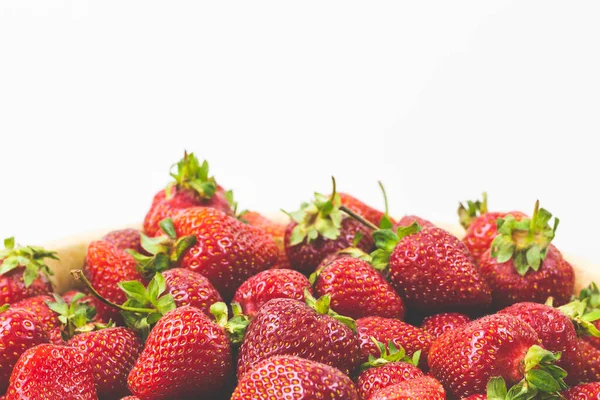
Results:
440 100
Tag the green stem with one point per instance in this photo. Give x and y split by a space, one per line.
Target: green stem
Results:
334 192
385 199
359 218
80 276
534 217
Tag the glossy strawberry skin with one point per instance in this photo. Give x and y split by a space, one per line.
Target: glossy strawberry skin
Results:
357 290
482 231
465 358
437 324
50 371
279 376
185 354
305 257
163 207
227 251
273 229
125 239
594 340
13 289
48 318
106 266
19 331
369 213
588 369
408 220
190 288
555 278
432 271
385 330
476 397
290 327
423 388
588 391
268 285
376 378
111 352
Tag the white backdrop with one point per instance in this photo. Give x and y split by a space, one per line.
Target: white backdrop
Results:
440 100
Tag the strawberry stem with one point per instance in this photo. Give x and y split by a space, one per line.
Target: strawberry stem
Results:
359 218
385 199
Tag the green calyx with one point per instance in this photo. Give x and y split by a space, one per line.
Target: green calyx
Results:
582 320
191 175
75 317
389 354
166 250
321 217
30 257
322 306
525 241
233 205
592 294
472 210
4 307
543 379
234 327
386 241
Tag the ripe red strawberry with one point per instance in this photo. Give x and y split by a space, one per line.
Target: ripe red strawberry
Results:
131 398
481 225
290 327
283 377
369 213
588 391
589 358
190 288
19 330
522 265
23 272
111 353
357 290
425 388
437 324
51 371
49 319
385 330
408 220
106 265
192 187
125 239
273 229
319 229
186 354
476 397
499 345
268 285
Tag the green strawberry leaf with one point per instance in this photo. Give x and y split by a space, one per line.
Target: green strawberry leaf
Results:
32 258
191 175
234 327
472 210
496 389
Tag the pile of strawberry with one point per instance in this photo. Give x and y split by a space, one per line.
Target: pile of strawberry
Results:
343 302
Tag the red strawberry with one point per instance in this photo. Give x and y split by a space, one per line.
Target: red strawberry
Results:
385 330
522 265
51 371
319 229
290 327
273 229
423 388
481 225
49 319
499 345
23 272
595 341
408 220
369 213
111 353
589 358
476 397
106 265
268 285
186 355
437 324
19 330
357 290
125 239
190 288
131 398
588 391
192 187
287 377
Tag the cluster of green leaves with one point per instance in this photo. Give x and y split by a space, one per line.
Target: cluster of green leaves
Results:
389 354
386 241
473 209
192 175
30 257
75 317
322 306
321 217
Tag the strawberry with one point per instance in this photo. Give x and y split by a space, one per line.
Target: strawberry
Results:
480 225
125 239
48 319
369 213
408 220
290 327
130 398
273 229
51 371
19 330
319 229
357 290
391 367
287 377
74 317
589 358
499 345
105 266
268 285
385 330
425 388
23 272
192 187
476 397
522 265
190 288
437 324
583 392
111 353
186 354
